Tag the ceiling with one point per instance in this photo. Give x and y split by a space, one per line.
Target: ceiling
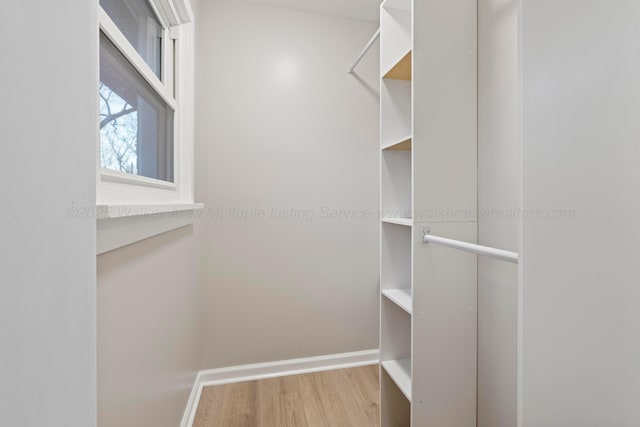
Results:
365 10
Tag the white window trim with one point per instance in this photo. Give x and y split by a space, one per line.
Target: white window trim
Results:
111 30
147 206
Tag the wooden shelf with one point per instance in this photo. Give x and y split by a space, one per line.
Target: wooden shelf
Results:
401 145
408 222
400 373
401 297
401 70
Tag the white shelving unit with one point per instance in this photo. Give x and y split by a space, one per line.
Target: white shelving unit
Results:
428 138
396 143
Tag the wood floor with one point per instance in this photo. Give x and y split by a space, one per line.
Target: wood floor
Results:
340 398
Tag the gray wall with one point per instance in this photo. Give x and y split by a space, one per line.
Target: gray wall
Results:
47 247
148 330
281 126
580 275
498 202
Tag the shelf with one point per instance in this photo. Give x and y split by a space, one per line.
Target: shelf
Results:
407 222
400 373
401 70
402 297
402 145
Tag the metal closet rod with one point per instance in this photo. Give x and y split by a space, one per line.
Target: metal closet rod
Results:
352 66
470 247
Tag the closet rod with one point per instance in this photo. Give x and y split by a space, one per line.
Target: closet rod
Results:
470 247
351 67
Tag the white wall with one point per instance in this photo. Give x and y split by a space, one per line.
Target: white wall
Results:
498 201
281 125
48 131
581 68
148 330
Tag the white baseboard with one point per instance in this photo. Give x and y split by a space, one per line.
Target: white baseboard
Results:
279 368
192 404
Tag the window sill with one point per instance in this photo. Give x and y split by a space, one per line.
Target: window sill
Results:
122 225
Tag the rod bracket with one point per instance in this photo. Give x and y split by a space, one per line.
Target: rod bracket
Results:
425 231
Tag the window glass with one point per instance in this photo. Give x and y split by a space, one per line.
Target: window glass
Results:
136 124
138 22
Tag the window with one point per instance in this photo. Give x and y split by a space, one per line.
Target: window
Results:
141 26
136 124
144 164
145 153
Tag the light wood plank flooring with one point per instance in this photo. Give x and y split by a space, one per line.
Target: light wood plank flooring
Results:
340 398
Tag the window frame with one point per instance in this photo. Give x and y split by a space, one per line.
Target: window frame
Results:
130 208
120 188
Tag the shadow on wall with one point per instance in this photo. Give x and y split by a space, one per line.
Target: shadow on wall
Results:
374 92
